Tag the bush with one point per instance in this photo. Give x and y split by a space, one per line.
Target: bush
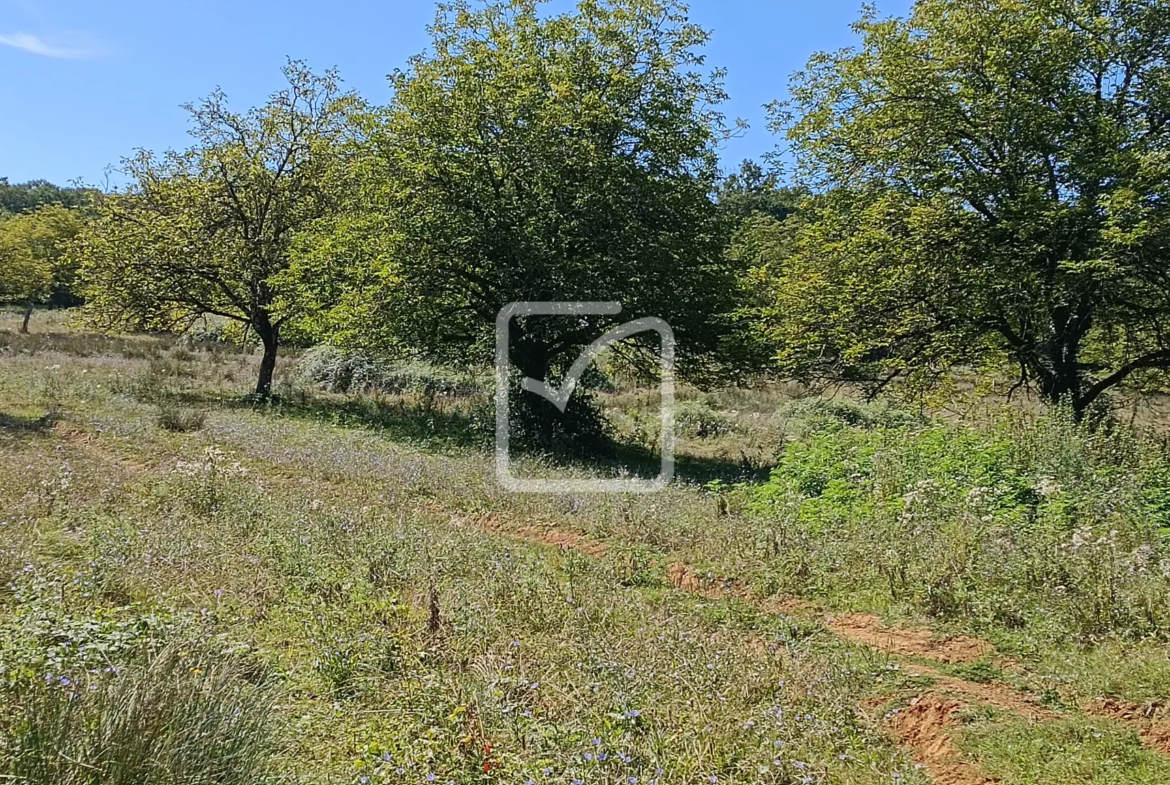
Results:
179 719
341 371
820 414
1022 524
698 420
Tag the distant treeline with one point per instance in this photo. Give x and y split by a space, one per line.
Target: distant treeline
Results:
26 197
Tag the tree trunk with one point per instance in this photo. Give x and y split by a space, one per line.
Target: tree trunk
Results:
270 337
27 315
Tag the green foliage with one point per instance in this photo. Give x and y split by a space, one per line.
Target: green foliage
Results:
699 420
207 231
534 157
33 260
340 370
26 197
751 191
1038 525
994 181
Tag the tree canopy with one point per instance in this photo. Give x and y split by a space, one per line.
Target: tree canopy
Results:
24 197
535 157
994 184
751 190
207 231
33 260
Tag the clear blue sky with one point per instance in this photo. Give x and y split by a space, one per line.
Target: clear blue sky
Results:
84 82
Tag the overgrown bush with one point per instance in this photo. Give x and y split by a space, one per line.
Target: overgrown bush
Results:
698 420
1022 523
816 414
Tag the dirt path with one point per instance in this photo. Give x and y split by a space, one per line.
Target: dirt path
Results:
870 630
924 727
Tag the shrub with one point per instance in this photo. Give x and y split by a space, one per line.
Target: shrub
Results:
1039 524
818 414
698 420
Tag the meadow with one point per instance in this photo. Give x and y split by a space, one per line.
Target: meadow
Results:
331 587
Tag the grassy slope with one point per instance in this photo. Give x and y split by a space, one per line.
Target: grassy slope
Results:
411 619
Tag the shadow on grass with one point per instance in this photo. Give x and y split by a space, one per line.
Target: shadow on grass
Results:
16 425
430 428
444 430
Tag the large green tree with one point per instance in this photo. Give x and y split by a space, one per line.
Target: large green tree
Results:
207 231
995 179
751 190
532 156
33 260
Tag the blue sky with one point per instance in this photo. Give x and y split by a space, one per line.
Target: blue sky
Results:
85 82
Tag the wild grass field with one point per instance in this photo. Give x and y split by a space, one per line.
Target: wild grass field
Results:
332 587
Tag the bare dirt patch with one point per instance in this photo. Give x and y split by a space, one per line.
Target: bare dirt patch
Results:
546 534
869 630
993 694
925 727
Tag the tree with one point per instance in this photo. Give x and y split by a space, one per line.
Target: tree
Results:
25 197
751 190
33 261
207 231
995 180
540 158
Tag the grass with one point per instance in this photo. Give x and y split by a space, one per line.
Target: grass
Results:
351 584
179 717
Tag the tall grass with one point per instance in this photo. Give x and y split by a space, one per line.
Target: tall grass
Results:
180 719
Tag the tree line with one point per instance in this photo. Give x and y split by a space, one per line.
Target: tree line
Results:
38 221
982 184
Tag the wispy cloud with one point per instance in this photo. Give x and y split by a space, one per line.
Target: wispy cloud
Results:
65 47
